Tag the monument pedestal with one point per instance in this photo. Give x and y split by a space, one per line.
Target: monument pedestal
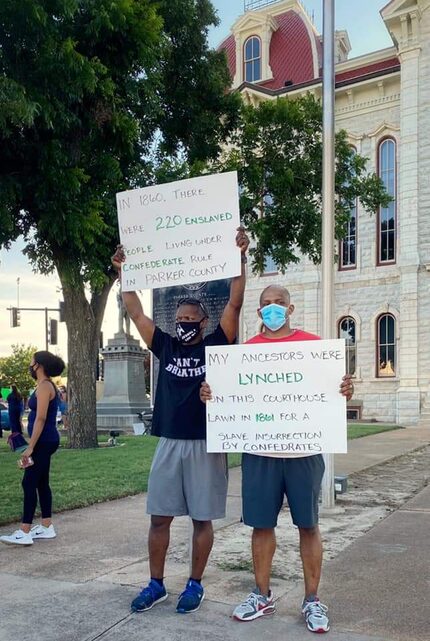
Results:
124 384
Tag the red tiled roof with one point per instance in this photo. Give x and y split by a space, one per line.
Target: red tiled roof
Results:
291 56
368 69
229 46
290 52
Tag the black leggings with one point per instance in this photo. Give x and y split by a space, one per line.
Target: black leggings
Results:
36 482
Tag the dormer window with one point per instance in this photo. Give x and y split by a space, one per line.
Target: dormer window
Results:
252 59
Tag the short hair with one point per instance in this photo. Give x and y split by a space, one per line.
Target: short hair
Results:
193 301
52 364
279 287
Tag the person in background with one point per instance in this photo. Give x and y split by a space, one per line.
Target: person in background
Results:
15 409
63 406
36 459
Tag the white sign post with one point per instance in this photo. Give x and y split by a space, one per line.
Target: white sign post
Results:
179 233
277 398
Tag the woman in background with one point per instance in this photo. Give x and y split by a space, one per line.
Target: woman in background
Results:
64 407
36 459
16 409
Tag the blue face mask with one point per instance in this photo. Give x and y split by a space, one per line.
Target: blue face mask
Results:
274 316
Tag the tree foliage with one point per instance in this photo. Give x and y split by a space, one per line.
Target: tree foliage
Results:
90 88
277 151
14 368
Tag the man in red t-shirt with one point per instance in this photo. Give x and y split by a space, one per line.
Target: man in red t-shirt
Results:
267 478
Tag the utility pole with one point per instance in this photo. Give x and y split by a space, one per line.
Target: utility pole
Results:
328 205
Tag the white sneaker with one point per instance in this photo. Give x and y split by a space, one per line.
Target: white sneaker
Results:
42 532
316 615
255 605
17 538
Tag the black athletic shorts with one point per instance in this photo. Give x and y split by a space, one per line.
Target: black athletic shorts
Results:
265 481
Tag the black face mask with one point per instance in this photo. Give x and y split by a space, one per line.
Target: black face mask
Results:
186 332
32 372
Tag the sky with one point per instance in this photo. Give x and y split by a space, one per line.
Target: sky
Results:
360 18
367 33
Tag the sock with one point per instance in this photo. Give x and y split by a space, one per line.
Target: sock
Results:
158 581
312 597
199 581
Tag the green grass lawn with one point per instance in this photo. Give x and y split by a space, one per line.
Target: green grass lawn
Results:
83 477
357 430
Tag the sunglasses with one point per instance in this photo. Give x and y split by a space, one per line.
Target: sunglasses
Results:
195 302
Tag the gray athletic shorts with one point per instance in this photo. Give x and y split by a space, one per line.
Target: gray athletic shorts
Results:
265 481
185 479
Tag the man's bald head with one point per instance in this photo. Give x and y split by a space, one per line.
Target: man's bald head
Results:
275 293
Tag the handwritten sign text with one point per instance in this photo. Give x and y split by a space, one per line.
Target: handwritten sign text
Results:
277 398
179 233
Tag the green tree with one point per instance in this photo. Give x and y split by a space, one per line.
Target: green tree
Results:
93 95
277 151
14 368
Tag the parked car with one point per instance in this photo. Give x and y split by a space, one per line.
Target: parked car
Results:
4 416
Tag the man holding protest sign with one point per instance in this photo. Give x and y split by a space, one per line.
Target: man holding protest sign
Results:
267 478
184 478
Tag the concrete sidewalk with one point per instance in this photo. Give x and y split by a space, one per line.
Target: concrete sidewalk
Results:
78 587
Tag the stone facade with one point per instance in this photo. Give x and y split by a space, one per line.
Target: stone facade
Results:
385 94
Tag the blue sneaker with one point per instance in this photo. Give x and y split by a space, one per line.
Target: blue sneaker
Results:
191 598
150 596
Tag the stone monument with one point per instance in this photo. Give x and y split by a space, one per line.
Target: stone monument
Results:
124 392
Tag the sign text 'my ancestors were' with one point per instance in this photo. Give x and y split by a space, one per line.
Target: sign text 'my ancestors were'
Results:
180 233
280 398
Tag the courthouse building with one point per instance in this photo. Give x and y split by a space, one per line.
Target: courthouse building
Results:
383 275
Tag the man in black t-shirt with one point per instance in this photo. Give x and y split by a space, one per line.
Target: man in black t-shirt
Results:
184 478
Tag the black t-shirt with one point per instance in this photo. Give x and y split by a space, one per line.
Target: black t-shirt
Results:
178 410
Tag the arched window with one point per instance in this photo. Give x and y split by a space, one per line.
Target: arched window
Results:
387 166
348 244
386 349
346 330
252 59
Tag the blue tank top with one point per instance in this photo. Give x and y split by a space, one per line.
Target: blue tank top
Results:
49 433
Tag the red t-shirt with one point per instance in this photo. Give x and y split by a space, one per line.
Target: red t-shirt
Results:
296 335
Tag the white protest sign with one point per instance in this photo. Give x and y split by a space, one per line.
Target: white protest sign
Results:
281 397
179 233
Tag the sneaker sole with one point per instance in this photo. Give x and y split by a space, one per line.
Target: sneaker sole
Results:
319 630
15 542
160 600
190 611
261 613
40 537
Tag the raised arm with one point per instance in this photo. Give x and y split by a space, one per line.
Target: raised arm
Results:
144 325
230 316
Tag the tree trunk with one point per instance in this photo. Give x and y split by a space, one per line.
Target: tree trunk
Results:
83 320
